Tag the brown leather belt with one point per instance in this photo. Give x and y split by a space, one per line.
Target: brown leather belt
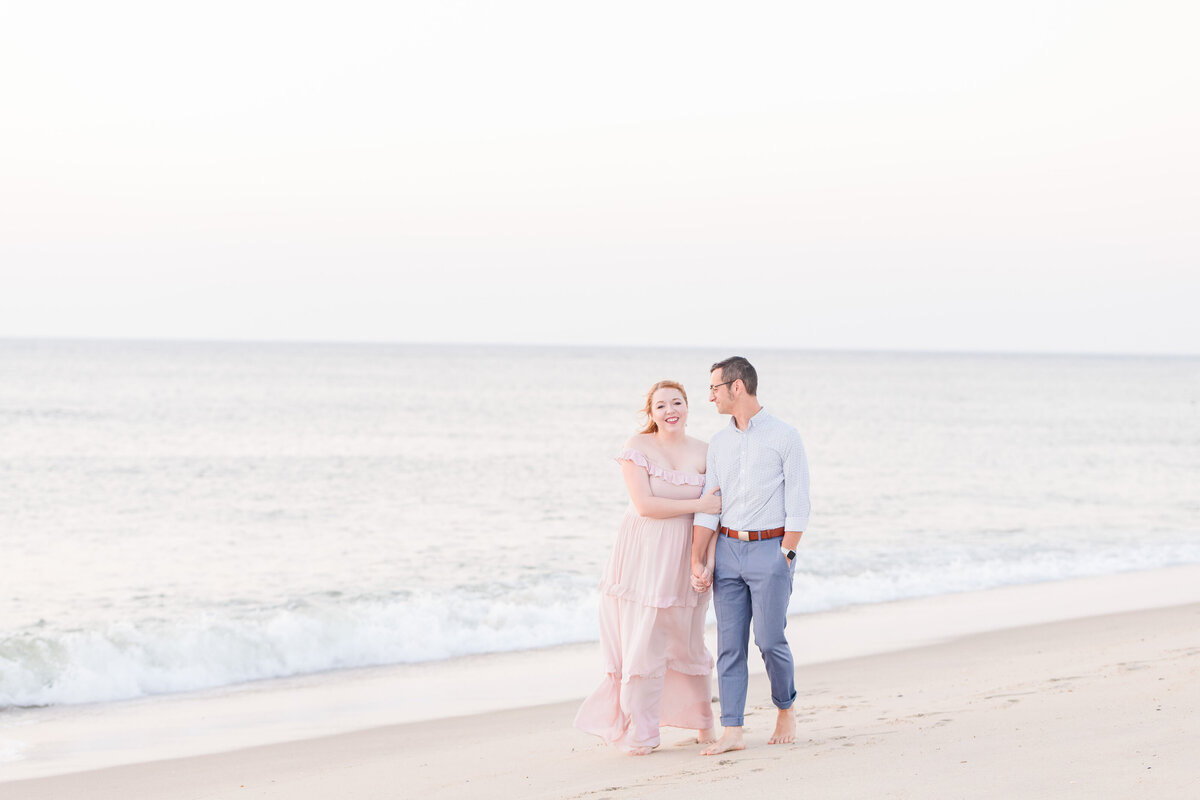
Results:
752 536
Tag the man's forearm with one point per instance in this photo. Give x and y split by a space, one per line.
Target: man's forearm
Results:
700 539
790 540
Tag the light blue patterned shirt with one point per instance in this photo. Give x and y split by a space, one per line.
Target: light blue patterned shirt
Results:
763 475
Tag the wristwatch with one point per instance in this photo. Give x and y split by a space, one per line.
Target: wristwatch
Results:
788 554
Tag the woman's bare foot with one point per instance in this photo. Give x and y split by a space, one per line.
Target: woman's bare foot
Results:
706 736
731 739
639 751
785 728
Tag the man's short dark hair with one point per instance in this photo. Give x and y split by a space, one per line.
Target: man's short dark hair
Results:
737 368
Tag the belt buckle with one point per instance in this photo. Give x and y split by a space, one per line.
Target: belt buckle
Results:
743 536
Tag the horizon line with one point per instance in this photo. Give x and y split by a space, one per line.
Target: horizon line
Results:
598 345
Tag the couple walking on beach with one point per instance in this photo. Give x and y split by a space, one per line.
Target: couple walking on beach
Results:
727 517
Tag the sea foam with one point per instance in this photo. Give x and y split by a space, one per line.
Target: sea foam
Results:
124 660
222 647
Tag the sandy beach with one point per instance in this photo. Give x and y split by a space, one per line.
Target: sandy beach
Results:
965 697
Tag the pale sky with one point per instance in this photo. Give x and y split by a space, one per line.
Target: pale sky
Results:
1018 176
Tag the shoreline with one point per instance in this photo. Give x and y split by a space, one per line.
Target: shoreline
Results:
1095 707
289 715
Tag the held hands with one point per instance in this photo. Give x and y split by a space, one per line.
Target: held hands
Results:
711 502
701 578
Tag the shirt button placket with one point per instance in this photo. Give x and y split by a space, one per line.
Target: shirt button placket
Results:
745 462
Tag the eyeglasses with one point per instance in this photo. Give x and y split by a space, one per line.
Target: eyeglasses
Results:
712 388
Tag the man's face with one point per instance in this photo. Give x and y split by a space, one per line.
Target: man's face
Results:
720 393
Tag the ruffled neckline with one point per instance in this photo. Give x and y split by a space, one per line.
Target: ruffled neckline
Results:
675 476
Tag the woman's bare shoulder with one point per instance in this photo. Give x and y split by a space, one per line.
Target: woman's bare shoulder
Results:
642 442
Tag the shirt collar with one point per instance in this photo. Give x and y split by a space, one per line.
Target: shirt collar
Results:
759 417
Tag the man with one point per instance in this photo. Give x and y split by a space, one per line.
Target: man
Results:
760 466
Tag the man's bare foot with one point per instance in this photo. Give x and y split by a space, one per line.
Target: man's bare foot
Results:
785 728
731 739
706 736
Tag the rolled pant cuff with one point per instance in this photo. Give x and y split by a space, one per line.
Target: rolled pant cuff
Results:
732 722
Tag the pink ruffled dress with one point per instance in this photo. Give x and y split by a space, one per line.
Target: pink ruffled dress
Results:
658 671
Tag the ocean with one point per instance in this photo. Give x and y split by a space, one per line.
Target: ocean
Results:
178 516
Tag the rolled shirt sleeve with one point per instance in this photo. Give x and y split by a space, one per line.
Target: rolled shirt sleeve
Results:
795 485
710 521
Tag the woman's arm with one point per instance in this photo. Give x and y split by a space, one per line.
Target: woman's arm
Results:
637 482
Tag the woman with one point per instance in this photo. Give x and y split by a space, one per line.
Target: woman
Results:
651 620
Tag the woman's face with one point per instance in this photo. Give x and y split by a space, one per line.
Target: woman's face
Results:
668 409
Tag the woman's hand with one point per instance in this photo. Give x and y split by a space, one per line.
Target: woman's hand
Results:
710 503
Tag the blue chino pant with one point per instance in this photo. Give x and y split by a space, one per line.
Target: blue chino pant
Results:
752 584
